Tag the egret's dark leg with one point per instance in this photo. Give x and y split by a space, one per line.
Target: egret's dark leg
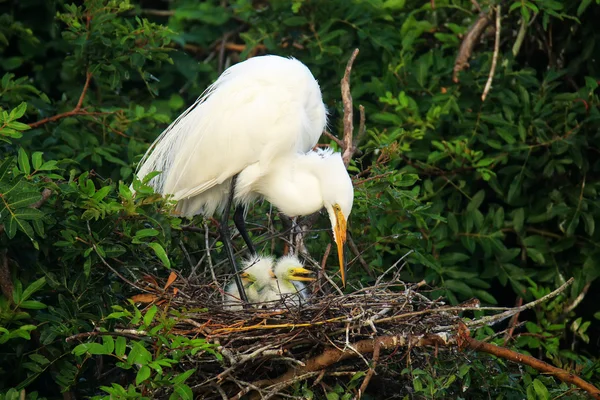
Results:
240 224
226 237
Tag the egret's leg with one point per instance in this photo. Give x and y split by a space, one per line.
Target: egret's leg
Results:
240 224
226 237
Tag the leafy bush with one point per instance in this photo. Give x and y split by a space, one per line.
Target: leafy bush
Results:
496 199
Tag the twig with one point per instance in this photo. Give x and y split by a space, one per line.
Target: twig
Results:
360 258
493 319
114 271
578 299
209 257
371 371
348 147
467 45
75 111
336 140
513 322
86 335
488 84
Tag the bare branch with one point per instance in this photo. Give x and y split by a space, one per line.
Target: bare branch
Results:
488 84
468 43
348 148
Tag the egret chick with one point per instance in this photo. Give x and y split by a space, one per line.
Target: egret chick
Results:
258 279
290 276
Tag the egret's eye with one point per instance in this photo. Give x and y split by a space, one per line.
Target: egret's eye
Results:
336 207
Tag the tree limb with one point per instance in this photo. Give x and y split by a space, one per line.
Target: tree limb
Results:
468 43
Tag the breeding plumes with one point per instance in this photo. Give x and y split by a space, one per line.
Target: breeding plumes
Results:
289 285
258 280
250 136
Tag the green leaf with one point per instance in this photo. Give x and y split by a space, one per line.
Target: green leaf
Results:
120 346
183 376
143 374
142 233
36 160
476 201
23 199
32 288
32 305
150 315
139 354
540 390
19 111
23 160
28 214
161 253
518 219
536 255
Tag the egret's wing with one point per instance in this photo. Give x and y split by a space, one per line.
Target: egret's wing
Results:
245 117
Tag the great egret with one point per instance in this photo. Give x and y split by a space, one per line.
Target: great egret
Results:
250 136
290 274
258 280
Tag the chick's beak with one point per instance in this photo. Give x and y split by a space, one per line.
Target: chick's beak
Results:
298 275
339 231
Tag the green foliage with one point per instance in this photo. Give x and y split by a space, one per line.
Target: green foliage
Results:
495 199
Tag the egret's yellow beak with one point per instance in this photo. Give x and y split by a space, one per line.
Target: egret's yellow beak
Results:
339 230
297 274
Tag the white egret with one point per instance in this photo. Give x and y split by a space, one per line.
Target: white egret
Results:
258 280
290 276
250 136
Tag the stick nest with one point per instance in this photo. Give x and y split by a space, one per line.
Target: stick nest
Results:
267 349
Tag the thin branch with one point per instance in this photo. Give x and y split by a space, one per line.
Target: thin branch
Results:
362 128
75 111
578 299
336 140
371 371
514 321
360 258
348 148
488 84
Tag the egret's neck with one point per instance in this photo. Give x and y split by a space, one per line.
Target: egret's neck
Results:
293 185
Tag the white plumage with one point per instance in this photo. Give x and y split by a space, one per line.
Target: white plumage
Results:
258 279
290 274
260 120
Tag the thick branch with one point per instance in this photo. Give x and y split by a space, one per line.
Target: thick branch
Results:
333 355
468 43
539 365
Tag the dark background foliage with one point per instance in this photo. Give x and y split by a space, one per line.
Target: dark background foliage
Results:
496 200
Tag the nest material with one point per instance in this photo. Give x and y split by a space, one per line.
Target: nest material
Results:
268 347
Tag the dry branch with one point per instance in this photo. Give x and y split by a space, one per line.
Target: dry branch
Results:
348 147
488 84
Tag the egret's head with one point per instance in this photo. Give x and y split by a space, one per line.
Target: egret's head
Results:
258 270
338 197
289 268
